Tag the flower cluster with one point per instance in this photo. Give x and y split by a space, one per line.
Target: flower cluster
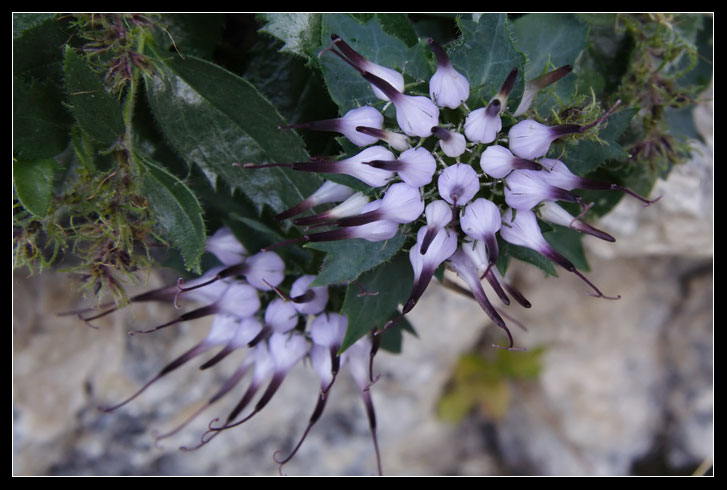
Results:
465 208
460 189
250 311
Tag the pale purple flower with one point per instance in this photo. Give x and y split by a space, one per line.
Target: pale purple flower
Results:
350 207
402 203
497 161
307 299
328 192
559 175
264 270
483 124
281 316
525 189
481 220
553 213
353 166
439 215
521 228
424 264
458 184
397 141
529 139
347 124
533 87
391 77
447 87
416 115
463 265
226 247
416 166
452 143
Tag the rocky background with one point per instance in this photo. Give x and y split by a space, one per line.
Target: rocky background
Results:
624 387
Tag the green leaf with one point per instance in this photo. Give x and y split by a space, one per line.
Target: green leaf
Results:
390 284
398 25
550 41
393 339
568 243
38 50
40 123
298 31
97 112
176 211
213 118
33 181
348 259
345 85
197 34
486 55
585 156
525 255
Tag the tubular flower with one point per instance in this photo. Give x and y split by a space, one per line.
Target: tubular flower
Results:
458 184
497 161
481 220
328 192
533 87
524 189
529 139
447 87
416 166
522 229
453 144
482 125
347 125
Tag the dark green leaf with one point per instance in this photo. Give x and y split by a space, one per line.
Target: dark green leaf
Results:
398 25
97 112
192 34
486 55
38 51
525 255
393 338
22 22
40 123
550 41
33 182
176 211
348 259
585 156
214 118
392 281
568 243
345 85
298 31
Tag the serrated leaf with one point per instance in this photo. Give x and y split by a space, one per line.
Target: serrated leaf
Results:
486 55
213 118
33 182
550 41
392 281
38 50
25 21
348 259
95 110
298 31
345 85
585 156
176 211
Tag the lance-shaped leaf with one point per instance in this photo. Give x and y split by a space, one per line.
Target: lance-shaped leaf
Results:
213 119
384 289
176 210
348 259
97 112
